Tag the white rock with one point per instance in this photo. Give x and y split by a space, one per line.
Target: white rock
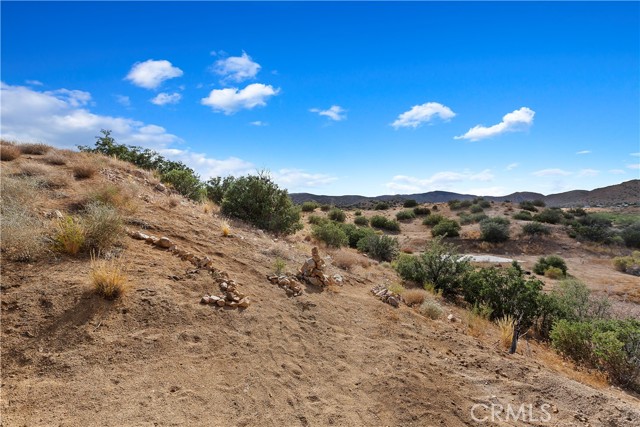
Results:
164 242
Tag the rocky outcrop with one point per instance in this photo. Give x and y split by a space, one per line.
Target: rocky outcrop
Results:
387 296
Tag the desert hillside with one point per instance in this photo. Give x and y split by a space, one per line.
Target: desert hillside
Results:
333 355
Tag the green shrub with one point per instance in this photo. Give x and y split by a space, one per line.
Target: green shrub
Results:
494 230
316 219
381 206
216 187
431 309
309 206
535 229
550 216
103 226
258 200
456 204
185 182
331 234
593 228
410 203
628 264
379 221
446 228
421 210
434 207
432 220
523 216
69 237
553 273
361 220
484 204
382 248
325 208
337 215
476 209
355 234
405 215
539 203
550 261
358 212
631 235
410 268
577 212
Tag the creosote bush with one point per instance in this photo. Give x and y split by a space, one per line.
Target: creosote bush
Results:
421 211
446 228
523 216
309 206
494 230
535 229
331 234
545 263
379 221
550 216
409 203
405 215
382 248
337 215
432 220
361 220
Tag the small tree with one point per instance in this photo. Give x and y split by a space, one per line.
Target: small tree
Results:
446 228
410 203
494 230
443 267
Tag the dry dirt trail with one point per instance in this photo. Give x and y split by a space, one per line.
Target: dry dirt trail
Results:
159 358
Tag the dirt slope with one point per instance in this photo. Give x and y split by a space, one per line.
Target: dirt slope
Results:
341 357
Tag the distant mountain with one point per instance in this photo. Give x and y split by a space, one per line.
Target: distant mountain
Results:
625 193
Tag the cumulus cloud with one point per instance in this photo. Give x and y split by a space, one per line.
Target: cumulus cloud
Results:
584 152
419 114
151 73
123 100
512 166
34 82
258 123
236 68
166 98
438 181
61 118
635 154
634 166
209 167
517 120
588 173
335 112
617 171
294 179
230 100
551 172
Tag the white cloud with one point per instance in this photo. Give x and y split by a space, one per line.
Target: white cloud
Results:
230 100
635 154
617 171
123 100
584 152
150 74
488 191
634 166
419 114
34 82
60 118
336 112
166 98
512 166
294 179
208 167
551 172
236 68
515 121
438 181
258 123
588 173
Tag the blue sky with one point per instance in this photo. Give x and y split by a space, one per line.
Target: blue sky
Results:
339 98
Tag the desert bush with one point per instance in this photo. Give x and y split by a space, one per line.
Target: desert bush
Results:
225 229
535 229
175 201
185 182
631 235
494 230
55 159
432 220
113 195
528 205
379 221
456 204
431 309
523 216
279 266
21 234
355 234
410 203
358 212
553 273
593 228
325 208
102 225
38 149
476 209
628 264
577 212
414 296
337 214
396 288
382 248
331 234
215 188
381 206
439 265
108 277
309 206
434 207
347 260
484 204
550 261
421 211
446 228
361 220
85 170
316 219
550 216
405 215
612 346
69 236
539 203
258 200
9 152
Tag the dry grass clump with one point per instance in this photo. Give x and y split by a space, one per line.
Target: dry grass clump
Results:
396 288
348 260
56 159
70 236
38 149
85 168
108 277
103 226
414 296
225 228
119 197
505 325
432 309
476 324
34 169
174 200
21 234
56 179
18 190
208 207
9 152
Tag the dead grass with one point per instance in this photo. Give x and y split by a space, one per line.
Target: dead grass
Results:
209 208
103 226
225 228
108 277
476 325
120 197
70 236
174 200
9 152
347 260
553 361
56 159
21 234
18 190
414 296
431 309
505 326
85 170
38 149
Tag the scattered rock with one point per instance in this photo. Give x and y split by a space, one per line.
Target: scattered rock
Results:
160 187
56 214
164 242
288 282
230 296
139 236
386 295
451 318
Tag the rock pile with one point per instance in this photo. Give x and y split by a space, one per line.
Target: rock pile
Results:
386 295
288 282
312 271
230 296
